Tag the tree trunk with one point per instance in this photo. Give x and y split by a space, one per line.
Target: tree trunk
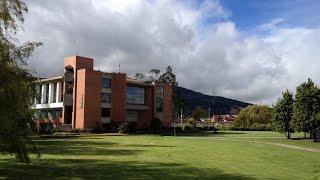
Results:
288 135
305 135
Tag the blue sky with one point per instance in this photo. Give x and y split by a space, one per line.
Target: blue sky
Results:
247 14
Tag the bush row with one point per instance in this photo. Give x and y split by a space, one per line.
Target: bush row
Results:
253 127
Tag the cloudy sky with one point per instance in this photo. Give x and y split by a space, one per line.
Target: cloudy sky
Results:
246 50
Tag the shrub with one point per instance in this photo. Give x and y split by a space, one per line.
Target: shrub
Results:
258 127
132 127
252 117
186 127
191 122
122 128
225 127
45 128
73 131
155 125
261 127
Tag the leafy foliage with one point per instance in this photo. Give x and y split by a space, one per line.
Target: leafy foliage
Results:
140 77
199 113
17 84
156 72
253 114
283 113
306 108
155 124
168 77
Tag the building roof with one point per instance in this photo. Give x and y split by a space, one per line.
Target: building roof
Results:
50 79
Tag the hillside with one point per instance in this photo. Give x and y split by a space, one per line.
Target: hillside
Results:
221 105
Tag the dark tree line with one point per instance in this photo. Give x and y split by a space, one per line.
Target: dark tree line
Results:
301 113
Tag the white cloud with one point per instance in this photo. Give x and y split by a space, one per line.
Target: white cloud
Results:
300 51
141 35
271 25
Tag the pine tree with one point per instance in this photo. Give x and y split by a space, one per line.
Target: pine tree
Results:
283 114
306 108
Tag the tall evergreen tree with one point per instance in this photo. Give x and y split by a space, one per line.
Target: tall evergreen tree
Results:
16 84
177 101
169 77
306 108
283 114
156 72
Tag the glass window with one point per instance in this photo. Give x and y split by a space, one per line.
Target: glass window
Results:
105 112
54 92
106 98
106 83
159 99
135 95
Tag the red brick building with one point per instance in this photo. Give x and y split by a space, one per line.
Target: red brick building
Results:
224 119
87 98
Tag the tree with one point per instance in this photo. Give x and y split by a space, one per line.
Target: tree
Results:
254 116
306 108
177 101
198 113
17 84
168 77
283 114
156 72
140 77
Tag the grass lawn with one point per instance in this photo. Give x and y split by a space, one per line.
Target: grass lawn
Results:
228 155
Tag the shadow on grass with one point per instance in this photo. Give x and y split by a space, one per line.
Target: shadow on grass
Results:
83 147
99 169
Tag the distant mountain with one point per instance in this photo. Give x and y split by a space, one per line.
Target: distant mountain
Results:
219 105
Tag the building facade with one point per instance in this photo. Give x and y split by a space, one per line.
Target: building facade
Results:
87 98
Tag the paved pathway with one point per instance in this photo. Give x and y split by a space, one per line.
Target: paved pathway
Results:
295 147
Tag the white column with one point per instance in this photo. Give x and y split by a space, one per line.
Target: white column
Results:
51 88
43 93
59 91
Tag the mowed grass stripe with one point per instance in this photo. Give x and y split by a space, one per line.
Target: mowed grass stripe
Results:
158 157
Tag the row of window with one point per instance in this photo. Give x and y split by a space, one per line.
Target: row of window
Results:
106 82
46 98
48 113
135 95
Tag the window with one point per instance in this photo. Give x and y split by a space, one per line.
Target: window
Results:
54 92
106 98
159 99
135 95
47 94
106 83
132 116
105 112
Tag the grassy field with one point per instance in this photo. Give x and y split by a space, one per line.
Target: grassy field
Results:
228 155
